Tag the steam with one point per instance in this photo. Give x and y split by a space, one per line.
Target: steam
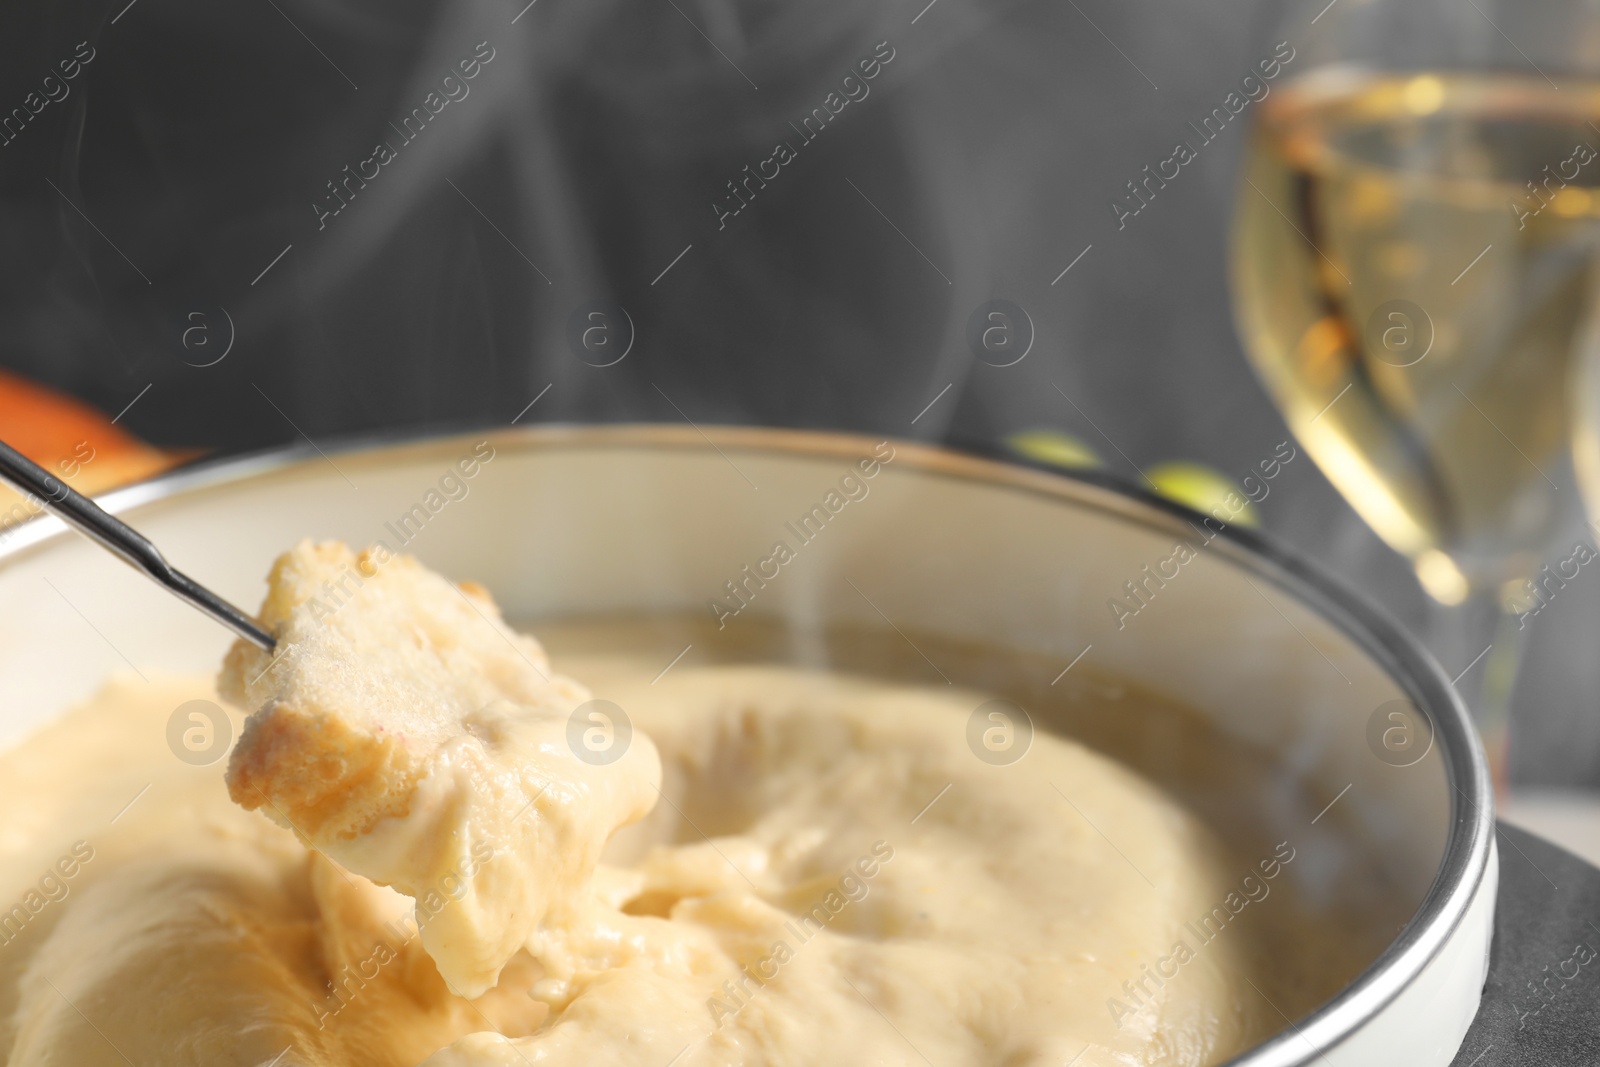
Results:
586 156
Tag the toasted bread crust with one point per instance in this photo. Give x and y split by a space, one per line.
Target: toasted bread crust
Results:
319 774
377 661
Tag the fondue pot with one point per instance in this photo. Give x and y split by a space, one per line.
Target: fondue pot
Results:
1059 589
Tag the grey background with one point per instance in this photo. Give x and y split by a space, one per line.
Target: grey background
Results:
588 155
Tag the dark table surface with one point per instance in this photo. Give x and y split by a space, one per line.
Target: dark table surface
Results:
1547 925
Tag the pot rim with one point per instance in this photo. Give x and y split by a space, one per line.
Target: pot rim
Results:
1368 627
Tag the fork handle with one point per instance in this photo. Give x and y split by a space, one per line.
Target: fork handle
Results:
87 517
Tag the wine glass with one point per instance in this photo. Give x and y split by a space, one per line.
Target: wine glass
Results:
1413 260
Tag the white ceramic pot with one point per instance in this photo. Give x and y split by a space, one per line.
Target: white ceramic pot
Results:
625 520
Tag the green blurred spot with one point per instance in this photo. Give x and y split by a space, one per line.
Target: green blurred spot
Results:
1199 487
1053 447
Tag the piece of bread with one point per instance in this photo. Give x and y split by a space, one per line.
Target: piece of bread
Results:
379 662
406 732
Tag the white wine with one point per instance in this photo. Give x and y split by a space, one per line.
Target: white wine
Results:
1413 268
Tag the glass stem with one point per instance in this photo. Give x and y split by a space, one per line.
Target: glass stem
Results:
1481 646
1495 693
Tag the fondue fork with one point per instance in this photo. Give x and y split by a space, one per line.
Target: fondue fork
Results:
85 516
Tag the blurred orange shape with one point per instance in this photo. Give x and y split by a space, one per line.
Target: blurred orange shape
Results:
73 441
